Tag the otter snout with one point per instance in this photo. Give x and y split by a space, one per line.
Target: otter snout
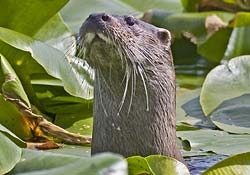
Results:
99 16
95 23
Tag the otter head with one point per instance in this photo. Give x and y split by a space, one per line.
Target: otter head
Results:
107 41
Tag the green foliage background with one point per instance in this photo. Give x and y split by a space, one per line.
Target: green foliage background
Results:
38 68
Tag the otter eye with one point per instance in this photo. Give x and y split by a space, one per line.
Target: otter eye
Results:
130 20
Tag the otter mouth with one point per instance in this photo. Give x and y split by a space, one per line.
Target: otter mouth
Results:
90 38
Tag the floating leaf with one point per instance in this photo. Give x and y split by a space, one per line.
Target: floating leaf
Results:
162 165
155 165
43 163
233 115
12 136
238 164
10 154
225 82
219 142
138 165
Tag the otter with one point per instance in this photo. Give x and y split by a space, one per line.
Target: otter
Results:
134 88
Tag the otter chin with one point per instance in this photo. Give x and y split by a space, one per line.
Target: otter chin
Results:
134 89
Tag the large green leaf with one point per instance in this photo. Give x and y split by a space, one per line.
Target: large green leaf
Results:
233 115
76 11
12 85
73 150
12 119
225 82
54 61
75 123
155 165
39 20
43 163
58 35
186 22
162 165
12 136
219 142
238 44
25 17
168 5
219 42
188 109
138 165
10 154
238 164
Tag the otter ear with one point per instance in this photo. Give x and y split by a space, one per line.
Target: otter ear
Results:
164 36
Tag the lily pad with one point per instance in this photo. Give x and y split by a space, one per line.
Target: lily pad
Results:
233 115
138 165
189 110
219 142
238 164
155 165
43 163
12 136
10 154
162 165
73 150
225 82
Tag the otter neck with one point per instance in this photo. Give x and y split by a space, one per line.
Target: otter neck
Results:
144 123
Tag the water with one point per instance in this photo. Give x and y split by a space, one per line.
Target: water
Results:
199 164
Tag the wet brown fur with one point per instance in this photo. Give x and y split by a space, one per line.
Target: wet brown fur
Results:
134 96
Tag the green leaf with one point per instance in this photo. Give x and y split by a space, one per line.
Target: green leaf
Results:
190 5
186 22
169 5
138 165
225 82
52 60
12 85
162 165
57 34
188 109
73 150
11 118
241 19
75 123
12 137
39 20
43 163
238 164
76 11
219 42
10 154
233 115
29 16
155 165
238 44
219 142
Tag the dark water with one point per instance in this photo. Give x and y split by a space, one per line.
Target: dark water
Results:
199 164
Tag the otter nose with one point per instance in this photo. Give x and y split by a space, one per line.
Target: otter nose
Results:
100 16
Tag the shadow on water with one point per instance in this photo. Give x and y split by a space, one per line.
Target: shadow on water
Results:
199 164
